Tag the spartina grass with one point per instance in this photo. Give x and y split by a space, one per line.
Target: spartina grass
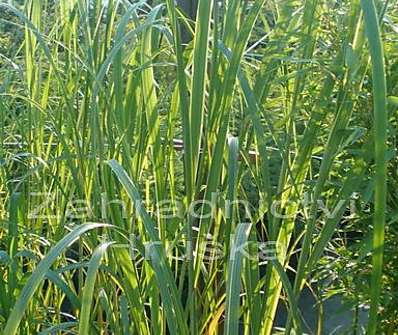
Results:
219 170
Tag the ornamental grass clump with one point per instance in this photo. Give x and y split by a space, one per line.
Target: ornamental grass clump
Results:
172 174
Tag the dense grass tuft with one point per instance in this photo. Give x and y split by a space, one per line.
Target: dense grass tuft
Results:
154 187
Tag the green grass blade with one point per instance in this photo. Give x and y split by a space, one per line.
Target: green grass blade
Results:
290 295
201 46
168 289
380 138
232 308
63 286
124 315
40 272
88 289
58 328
